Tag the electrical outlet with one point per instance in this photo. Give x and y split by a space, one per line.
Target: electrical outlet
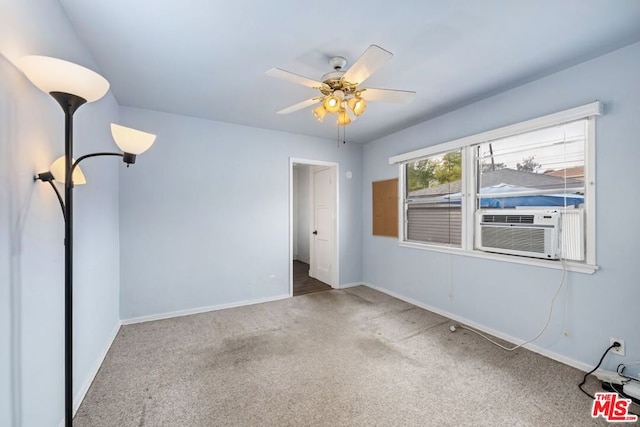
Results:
617 350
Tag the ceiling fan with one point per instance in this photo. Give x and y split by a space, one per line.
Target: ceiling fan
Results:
340 90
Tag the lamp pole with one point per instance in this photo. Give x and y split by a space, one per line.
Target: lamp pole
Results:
69 103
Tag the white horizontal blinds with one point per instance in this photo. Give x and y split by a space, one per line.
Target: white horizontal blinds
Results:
433 199
567 116
541 169
434 224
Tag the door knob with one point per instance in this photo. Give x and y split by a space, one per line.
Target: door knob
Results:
315 232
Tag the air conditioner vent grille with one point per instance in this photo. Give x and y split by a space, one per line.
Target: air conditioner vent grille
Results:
515 239
508 219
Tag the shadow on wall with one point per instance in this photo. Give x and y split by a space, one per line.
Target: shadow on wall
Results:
16 209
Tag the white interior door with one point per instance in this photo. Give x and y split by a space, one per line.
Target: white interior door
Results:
323 233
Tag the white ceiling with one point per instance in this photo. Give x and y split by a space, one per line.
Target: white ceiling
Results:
208 58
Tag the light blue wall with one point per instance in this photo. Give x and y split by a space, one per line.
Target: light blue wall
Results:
513 299
6 294
32 228
204 215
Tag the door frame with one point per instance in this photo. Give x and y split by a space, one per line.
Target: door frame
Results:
335 272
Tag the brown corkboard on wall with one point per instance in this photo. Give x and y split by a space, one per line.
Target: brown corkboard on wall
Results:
385 207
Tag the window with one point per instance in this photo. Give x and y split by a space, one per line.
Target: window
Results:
521 191
430 215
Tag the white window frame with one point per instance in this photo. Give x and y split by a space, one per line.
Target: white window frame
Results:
588 111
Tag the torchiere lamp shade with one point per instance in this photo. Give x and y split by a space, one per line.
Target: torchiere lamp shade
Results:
56 75
58 169
131 141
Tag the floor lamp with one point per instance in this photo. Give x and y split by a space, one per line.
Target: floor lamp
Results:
72 86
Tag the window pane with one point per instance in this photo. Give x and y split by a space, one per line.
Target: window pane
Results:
542 169
433 199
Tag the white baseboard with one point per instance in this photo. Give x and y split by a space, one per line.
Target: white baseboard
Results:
350 285
532 347
79 397
199 310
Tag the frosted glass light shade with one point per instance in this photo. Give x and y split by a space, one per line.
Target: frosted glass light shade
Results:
131 141
320 112
343 117
55 75
357 105
332 104
58 170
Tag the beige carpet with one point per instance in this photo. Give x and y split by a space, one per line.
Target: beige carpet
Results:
353 357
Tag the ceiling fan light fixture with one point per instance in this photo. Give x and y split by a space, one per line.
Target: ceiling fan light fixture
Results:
343 117
332 103
320 112
357 105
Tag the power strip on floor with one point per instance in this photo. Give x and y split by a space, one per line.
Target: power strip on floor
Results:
609 377
615 388
632 389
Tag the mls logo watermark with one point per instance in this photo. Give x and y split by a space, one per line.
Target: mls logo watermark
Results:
612 408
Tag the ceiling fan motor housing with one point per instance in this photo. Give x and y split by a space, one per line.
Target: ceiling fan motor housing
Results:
334 81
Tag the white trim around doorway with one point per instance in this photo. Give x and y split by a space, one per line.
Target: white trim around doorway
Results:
335 274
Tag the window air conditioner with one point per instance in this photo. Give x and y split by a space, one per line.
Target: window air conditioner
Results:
531 233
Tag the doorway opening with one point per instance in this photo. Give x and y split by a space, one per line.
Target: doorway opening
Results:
313 226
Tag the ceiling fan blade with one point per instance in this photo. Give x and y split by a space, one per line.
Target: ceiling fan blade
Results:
369 62
388 95
300 105
294 78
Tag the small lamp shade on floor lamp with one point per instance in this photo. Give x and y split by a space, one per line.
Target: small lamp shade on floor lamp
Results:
59 168
72 85
131 141
57 172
